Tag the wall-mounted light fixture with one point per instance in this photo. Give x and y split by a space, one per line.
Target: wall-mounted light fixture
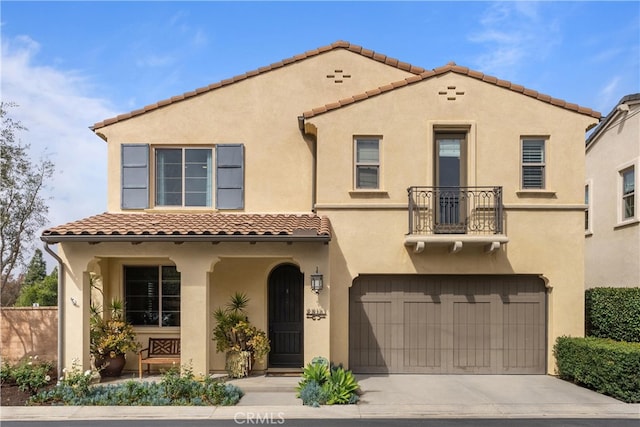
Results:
316 282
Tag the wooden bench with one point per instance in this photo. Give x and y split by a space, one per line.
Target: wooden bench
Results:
160 351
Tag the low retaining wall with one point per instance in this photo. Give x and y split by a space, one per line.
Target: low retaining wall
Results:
29 331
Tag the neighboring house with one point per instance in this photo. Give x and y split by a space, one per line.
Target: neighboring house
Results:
443 208
612 219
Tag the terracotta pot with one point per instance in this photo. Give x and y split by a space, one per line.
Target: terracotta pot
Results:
110 366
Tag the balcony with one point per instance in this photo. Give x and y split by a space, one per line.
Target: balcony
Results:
455 216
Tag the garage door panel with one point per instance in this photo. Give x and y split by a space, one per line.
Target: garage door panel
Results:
524 348
471 336
372 330
422 335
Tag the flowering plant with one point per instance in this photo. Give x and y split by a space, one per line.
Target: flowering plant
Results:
113 336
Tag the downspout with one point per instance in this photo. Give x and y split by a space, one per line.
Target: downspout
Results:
314 166
60 306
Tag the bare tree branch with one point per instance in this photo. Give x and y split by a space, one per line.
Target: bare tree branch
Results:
22 208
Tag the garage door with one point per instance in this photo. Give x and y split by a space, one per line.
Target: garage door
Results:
447 324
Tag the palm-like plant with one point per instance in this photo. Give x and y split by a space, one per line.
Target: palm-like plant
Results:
114 335
233 332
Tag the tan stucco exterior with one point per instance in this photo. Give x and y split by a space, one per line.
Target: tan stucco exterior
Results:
613 242
288 170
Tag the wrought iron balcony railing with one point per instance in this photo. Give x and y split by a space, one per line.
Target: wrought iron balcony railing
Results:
455 210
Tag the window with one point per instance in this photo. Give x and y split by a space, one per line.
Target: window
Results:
135 176
230 176
183 177
628 193
152 295
586 210
533 163
367 163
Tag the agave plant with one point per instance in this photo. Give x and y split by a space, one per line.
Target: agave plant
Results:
323 383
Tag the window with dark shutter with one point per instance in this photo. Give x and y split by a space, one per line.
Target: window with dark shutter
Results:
135 176
230 176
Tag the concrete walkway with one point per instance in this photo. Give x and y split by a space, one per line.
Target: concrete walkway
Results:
389 396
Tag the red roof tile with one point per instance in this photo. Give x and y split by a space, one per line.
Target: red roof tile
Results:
337 45
214 227
453 68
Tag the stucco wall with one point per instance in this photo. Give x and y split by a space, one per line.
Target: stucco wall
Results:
262 113
544 227
29 331
613 245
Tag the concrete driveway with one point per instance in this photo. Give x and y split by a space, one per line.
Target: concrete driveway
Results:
487 395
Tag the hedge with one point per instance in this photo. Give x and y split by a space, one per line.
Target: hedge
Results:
613 313
606 366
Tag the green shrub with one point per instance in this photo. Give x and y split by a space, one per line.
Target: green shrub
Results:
323 384
606 366
613 313
30 374
175 388
6 373
313 394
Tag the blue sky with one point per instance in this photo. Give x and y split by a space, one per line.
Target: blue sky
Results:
71 64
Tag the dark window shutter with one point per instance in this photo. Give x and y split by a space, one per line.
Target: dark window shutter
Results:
230 176
135 176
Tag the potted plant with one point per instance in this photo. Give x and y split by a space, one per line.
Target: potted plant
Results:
234 335
111 339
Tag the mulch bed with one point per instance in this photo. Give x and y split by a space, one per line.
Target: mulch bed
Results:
11 395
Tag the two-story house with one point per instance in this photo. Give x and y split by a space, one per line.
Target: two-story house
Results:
388 217
611 219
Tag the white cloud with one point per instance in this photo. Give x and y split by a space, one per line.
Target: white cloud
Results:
608 95
513 35
199 39
155 60
57 107
608 54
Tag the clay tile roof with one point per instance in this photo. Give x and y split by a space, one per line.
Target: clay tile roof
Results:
452 67
341 44
180 227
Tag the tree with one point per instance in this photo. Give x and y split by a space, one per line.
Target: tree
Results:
11 290
44 292
37 269
22 206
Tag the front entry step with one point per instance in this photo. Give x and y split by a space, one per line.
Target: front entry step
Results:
284 372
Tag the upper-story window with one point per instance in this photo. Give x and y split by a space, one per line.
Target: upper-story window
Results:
367 163
533 163
183 176
628 193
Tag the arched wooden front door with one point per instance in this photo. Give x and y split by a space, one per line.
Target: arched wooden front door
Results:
286 284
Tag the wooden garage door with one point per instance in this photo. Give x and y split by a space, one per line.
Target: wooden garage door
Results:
447 324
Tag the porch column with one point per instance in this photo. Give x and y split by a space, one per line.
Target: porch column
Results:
75 306
195 313
317 331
